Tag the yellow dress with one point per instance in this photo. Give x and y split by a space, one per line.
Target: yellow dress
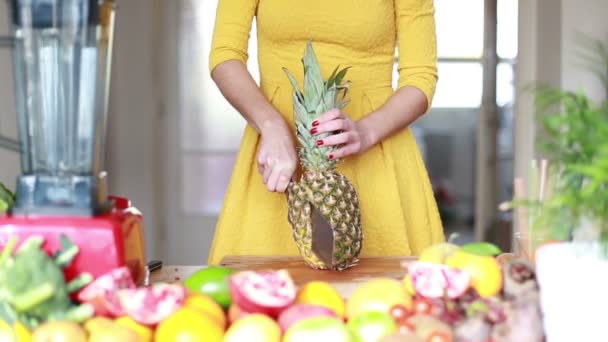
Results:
399 212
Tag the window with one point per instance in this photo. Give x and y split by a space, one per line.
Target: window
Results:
460 30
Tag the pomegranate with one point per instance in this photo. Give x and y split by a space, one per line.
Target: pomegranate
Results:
436 281
150 305
102 293
298 312
265 292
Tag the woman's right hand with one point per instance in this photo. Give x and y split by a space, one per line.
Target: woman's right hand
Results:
277 156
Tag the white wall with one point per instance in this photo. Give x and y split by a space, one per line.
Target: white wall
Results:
9 161
133 157
589 17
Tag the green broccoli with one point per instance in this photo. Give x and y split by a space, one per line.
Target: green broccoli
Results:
33 285
7 199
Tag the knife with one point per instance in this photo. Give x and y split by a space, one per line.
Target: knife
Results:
322 237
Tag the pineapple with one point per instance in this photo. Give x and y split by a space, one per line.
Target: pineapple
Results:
322 194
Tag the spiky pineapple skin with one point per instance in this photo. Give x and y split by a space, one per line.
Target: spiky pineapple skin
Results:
336 199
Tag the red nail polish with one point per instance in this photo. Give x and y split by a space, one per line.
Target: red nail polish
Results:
313 131
331 156
319 142
315 123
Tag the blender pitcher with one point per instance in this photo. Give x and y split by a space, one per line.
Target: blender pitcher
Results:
61 61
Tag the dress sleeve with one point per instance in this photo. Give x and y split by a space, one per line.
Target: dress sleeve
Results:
231 33
417 43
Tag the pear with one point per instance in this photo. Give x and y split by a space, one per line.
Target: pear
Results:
438 253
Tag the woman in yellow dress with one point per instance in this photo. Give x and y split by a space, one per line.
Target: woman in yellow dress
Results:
380 156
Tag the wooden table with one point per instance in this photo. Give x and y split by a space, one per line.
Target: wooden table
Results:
345 281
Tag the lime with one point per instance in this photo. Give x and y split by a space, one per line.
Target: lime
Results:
481 248
212 281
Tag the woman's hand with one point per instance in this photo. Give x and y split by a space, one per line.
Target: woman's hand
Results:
277 156
352 137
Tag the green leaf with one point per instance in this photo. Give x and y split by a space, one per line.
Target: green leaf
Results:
7 313
33 297
481 248
7 252
67 253
294 84
331 80
340 76
79 282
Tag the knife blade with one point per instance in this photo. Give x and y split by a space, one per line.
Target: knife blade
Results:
322 237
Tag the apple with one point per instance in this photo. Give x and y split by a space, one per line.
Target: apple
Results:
318 329
372 326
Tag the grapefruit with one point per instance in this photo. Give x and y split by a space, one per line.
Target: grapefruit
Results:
322 293
254 328
207 305
379 294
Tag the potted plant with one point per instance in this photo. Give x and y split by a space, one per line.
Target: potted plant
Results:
573 272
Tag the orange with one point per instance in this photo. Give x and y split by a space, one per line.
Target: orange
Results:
322 294
207 305
485 271
145 333
379 294
189 325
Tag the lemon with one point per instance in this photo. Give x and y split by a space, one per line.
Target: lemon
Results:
145 334
485 271
207 305
189 325
323 294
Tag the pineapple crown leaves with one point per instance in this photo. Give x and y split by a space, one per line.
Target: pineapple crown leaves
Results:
318 96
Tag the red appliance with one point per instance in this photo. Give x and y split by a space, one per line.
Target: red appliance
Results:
61 62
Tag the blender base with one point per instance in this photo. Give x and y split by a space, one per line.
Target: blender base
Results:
106 242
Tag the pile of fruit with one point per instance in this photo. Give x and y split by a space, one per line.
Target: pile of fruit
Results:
450 294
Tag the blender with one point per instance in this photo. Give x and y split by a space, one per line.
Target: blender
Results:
61 52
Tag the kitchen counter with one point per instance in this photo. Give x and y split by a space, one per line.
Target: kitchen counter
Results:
345 281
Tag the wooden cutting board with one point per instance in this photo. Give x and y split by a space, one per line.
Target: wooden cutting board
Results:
345 281
365 269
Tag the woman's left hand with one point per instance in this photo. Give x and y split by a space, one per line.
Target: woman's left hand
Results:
351 136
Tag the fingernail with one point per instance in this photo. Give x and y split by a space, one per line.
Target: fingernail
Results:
331 156
313 131
315 123
319 142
